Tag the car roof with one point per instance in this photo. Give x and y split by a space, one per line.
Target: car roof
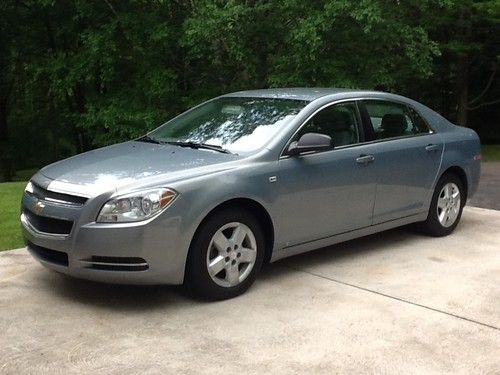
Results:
298 93
325 95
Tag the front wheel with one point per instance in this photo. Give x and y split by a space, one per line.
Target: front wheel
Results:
225 255
446 206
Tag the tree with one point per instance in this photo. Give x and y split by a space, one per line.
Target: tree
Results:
294 43
468 33
80 74
9 66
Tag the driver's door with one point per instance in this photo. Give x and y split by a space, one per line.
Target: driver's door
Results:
328 192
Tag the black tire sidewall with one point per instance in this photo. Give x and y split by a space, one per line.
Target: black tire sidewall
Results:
197 278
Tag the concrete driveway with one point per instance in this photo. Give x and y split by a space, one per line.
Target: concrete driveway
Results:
392 302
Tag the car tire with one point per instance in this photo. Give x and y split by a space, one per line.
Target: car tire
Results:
225 255
446 206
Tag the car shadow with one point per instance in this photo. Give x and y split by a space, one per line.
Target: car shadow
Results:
113 296
355 248
140 298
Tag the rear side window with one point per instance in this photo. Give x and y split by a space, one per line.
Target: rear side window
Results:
390 120
419 122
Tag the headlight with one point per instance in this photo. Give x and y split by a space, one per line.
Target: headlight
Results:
136 206
29 188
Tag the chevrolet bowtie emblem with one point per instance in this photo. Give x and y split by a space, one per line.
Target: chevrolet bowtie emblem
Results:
38 207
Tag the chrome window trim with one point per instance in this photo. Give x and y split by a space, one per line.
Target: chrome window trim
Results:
287 144
375 141
431 130
355 100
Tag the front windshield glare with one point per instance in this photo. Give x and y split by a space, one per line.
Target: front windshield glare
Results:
235 124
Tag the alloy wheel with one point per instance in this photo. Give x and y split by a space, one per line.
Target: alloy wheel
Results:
448 204
231 254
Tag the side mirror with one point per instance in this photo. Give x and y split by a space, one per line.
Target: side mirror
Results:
310 142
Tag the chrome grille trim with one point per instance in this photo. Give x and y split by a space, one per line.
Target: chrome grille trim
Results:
28 225
48 225
115 263
57 198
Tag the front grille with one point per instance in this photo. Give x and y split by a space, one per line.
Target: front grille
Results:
51 196
48 255
48 224
116 263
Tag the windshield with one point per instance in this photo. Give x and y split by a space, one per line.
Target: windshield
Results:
235 124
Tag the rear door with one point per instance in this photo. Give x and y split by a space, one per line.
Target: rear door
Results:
407 161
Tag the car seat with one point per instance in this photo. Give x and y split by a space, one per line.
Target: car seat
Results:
393 125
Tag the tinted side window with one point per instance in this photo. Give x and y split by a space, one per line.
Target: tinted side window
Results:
391 120
420 124
339 121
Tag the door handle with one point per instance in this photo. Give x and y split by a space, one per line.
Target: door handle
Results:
431 147
364 159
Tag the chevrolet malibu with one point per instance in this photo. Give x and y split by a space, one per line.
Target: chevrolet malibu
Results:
248 178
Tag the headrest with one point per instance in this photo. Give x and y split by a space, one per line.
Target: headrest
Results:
335 120
394 122
341 121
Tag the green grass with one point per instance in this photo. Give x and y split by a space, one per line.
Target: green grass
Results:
10 226
490 152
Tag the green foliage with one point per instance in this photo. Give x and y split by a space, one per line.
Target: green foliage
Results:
87 73
24 174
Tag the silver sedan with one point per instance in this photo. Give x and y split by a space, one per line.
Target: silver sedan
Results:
247 178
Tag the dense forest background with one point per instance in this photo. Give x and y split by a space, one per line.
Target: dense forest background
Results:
78 74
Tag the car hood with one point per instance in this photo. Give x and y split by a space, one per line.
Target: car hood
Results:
131 163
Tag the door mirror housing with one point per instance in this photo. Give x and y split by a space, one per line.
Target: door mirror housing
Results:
310 142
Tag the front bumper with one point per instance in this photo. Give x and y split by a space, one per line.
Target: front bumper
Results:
150 252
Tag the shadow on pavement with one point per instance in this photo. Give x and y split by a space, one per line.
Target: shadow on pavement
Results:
110 296
359 247
140 298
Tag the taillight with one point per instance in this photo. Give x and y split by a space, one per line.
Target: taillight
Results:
477 157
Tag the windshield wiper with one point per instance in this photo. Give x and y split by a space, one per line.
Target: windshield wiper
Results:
148 139
200 145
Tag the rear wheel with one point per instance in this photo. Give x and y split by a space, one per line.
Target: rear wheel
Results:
225 255
446 206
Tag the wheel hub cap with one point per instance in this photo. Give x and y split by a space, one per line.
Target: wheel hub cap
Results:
448 204
231 254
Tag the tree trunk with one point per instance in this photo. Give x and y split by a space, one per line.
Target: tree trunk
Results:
462 89
79 96
6 172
